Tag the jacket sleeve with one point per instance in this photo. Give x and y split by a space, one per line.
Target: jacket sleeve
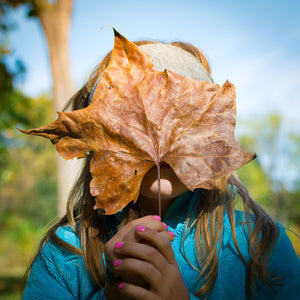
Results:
285 264
59 274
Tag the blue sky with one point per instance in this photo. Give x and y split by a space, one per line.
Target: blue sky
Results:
253 44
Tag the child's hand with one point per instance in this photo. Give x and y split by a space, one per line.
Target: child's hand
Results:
128 234
153 261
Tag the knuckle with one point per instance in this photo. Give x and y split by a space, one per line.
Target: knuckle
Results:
152 252
139 221
133 223
167 236
160 227
165 242
174 272
149 269
143 294
142 220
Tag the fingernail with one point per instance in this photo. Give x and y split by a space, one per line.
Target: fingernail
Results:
165 225
121 286
119 245
171 233
157 218
117 262
140 228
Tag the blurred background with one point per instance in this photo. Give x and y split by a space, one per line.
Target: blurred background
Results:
49 48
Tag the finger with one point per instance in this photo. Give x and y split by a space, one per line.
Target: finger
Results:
152 223
142 268
142 252
159 227
135 292
168 234
128 233
159 241
124 230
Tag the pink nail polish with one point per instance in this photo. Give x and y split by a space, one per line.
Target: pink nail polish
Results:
165 225
119 245
171 233
157 218
117 262
121 286
140 228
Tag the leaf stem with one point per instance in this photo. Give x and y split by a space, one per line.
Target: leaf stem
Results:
158 181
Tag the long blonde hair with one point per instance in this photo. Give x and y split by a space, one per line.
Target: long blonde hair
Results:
90 226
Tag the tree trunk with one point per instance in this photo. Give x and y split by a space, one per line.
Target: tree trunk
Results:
55 18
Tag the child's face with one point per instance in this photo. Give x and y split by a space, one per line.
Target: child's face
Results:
170 185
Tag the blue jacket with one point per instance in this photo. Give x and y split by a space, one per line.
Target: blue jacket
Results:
58 274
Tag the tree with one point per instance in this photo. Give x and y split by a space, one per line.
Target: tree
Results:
55 19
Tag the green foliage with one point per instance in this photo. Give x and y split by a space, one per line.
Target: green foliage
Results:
34 6
12 107
28 192
294 206
257 183
19 111
273 178
28 186
12 102
29 166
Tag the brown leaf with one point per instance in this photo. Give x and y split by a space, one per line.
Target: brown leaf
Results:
140 117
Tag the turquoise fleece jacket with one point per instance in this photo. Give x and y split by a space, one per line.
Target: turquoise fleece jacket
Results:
58 274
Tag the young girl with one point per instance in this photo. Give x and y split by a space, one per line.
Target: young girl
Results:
200 247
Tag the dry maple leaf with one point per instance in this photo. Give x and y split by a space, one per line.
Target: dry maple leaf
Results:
140 117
